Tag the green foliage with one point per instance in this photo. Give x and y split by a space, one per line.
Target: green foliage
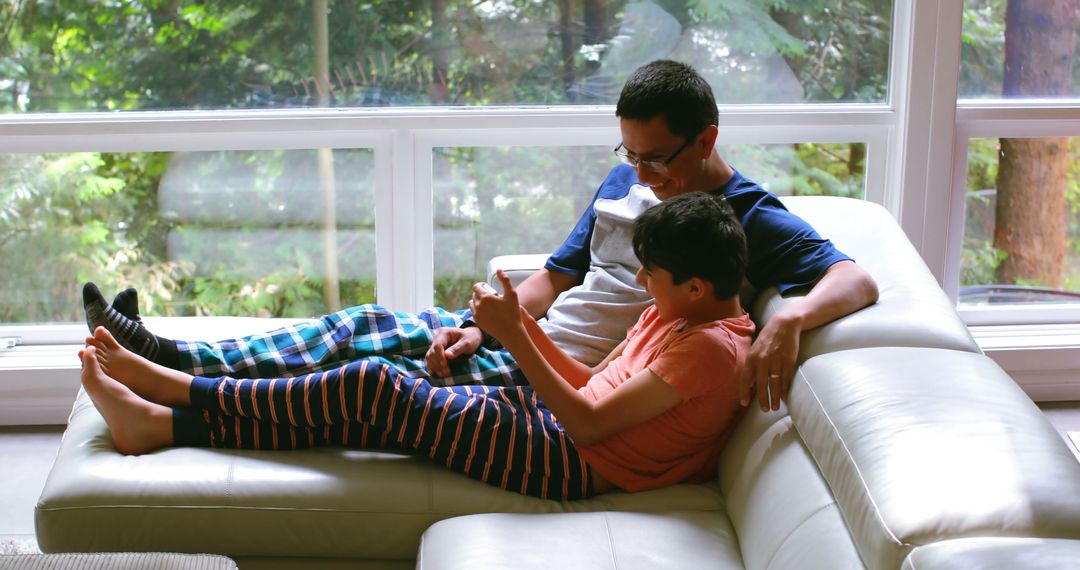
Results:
805 169
188 229
979 263
983 48
65 216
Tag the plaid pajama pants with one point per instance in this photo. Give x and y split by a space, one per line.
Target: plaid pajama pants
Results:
503 436
365 331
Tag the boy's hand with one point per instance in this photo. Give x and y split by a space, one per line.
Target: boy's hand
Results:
499 315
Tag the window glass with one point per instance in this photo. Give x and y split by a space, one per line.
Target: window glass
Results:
1022 226
88 55
519 200
1019 49
199 233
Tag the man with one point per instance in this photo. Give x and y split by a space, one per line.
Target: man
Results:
586 294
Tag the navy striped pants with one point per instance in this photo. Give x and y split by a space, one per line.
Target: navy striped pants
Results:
503 436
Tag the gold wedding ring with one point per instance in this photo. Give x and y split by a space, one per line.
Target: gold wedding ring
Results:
774 375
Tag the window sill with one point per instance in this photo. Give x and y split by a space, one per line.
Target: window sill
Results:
39 381
1044 360
38 384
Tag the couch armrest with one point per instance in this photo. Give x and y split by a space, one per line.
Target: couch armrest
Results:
921 445
517 267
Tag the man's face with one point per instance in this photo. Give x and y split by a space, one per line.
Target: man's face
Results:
652 141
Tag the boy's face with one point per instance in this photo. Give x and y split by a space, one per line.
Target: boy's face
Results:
652 141
671 299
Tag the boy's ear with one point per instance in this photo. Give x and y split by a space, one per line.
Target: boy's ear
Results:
697 288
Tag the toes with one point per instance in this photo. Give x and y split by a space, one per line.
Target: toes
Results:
89 360
103 336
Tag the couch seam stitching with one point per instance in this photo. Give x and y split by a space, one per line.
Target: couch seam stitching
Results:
851 460
796 529
229 481
611 541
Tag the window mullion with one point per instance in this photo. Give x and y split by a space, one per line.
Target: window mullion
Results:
926 60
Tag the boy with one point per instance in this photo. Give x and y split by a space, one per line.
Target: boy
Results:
654 413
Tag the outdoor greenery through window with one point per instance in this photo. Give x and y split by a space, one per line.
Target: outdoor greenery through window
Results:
1022 245
291 233
1022 225
1020 49
88 55
265 233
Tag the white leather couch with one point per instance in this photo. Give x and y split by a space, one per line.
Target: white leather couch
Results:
901 446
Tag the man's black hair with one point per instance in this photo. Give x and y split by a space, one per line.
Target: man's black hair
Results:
694 235
673 90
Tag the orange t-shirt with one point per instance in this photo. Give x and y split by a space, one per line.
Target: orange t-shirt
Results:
682 444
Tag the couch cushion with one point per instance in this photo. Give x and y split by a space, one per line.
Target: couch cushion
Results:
995 554
326 503
778 503
589 541
921 445
912 310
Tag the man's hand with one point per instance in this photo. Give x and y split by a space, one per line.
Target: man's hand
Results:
450 343
771 364
842 290
499 315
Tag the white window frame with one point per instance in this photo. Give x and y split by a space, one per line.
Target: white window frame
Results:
916 146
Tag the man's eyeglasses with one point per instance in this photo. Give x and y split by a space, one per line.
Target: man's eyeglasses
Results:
659 167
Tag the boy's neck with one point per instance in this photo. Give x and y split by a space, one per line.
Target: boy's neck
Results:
709 310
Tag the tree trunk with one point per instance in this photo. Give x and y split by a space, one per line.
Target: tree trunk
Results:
440 53
597 28
856 164
567 45
1040 42
325 156
596 21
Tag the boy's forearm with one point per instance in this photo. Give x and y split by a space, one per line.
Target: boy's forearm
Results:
572 408
573 372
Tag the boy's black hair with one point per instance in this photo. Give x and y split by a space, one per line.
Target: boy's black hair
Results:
672 89
694 235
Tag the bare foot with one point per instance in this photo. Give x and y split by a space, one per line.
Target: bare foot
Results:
137 426
149 380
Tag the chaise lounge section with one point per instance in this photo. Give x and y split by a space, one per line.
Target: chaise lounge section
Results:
901 445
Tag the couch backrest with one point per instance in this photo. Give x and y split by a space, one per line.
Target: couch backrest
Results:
912 310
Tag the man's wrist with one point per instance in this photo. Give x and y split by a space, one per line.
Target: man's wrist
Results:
791 319
486 340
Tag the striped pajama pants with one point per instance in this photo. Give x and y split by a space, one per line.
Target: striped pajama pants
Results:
503 436
365 331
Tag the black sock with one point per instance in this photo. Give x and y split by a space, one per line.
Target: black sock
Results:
130 334
127 303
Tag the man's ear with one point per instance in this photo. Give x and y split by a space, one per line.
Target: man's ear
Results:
707 140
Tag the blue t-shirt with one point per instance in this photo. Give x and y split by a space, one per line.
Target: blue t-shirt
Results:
784 251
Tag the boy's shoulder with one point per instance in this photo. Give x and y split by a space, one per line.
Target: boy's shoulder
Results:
734 333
